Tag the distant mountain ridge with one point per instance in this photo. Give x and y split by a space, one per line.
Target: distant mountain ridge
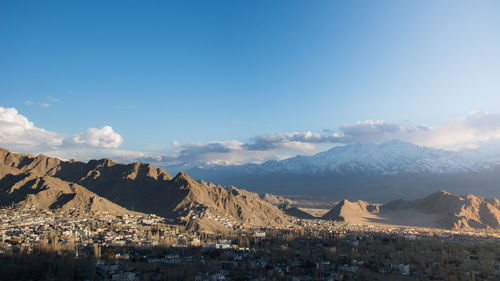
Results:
441 209
392 157
365 168
47 182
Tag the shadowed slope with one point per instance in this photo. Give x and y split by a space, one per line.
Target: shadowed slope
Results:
295 212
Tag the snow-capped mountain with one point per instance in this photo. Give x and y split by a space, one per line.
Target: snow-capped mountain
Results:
394 167
389 158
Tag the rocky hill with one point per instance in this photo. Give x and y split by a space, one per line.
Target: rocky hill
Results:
295 212
27 181
275 199
441 209
45 182
351 211
52 193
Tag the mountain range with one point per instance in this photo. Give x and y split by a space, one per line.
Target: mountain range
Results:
43 182
369 171
103 185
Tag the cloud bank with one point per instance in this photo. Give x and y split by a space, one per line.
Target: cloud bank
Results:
19 134
463 132
470 131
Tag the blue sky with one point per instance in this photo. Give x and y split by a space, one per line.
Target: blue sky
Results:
168 76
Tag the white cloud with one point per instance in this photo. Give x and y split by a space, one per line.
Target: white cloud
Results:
45 105
98 138
471 130
19 134
468 131
296 140
262 148
369 130
225 152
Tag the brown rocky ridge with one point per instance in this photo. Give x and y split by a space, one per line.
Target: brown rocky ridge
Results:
47 182
441 209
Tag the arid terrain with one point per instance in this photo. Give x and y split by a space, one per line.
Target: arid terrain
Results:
103 185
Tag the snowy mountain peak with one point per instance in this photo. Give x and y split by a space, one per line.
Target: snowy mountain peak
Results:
388 158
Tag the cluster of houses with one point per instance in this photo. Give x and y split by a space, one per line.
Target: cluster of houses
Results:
148 247
321 255
23 229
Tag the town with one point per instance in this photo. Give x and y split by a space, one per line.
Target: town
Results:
75 245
